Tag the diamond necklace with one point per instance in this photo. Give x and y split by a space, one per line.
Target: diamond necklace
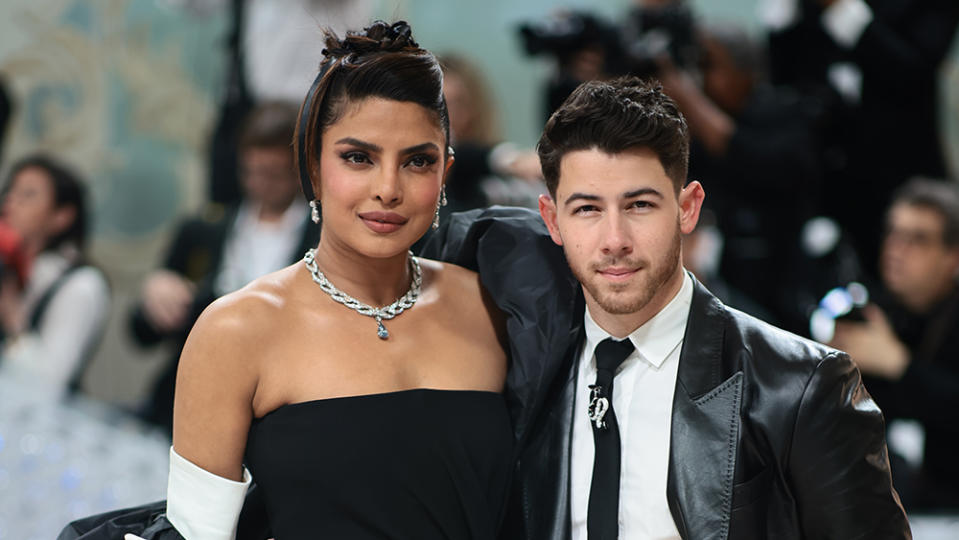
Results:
378 313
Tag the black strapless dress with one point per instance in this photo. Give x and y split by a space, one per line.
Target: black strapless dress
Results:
414 464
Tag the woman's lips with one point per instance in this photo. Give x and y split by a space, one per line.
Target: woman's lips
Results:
383 222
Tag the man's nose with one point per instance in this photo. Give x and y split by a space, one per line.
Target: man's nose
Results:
617 236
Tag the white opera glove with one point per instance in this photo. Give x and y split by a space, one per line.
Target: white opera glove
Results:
202 505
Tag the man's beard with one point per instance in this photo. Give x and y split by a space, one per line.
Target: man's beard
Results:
626 298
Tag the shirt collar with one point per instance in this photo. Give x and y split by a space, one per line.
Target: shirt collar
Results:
659 336
293 216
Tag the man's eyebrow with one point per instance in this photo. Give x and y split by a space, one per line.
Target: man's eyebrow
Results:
642 191
628 195
362 144
580 197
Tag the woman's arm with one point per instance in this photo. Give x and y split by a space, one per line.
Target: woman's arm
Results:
216 382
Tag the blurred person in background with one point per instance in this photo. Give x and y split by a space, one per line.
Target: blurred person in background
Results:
224 249
702 253
481 155
272 50
587 47
53 303
877 61
908 345
756 148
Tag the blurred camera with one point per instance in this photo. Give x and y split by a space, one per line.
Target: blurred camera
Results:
646 34
842 303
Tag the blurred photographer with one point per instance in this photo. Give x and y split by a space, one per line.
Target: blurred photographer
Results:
587 47
908 346
879 61
225 248
755 148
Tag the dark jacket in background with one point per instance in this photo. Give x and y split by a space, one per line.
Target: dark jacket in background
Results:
196 254
892 133
763 189
929 393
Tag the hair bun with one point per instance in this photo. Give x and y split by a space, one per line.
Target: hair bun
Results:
378 37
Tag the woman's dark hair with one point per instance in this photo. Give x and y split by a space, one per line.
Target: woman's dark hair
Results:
68 190
381 61
615 116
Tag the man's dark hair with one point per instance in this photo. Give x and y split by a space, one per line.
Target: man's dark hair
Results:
269 125
940 196
615 116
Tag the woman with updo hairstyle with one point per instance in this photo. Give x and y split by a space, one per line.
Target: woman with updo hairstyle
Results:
361 389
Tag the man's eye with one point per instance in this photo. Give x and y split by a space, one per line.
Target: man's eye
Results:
585 209
641 204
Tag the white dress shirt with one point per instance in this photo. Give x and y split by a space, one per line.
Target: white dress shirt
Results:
71 325
643 402
255 248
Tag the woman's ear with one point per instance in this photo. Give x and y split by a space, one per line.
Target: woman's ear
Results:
63 217
449 165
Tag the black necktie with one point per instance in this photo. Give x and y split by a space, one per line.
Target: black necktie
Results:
602 520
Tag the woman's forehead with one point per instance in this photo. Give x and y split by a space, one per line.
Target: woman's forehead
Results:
381 118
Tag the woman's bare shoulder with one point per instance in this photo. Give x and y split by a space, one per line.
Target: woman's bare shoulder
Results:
453 279
235 326
461 290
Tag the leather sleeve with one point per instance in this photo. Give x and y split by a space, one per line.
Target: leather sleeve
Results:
530 282
838 463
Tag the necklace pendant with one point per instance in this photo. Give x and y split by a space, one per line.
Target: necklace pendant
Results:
381 330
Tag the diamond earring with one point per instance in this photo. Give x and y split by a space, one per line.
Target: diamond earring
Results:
440 203
315 211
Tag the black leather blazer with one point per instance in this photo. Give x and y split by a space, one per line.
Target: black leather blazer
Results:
773 436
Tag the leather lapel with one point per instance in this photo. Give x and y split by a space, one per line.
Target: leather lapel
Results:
705 426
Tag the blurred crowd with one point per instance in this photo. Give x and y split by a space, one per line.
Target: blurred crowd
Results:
830 210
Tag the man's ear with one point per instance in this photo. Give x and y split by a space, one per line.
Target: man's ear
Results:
547 209
690 204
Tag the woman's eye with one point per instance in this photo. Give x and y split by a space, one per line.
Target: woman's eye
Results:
355 157
421 161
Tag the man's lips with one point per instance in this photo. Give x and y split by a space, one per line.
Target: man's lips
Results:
617 272
383 222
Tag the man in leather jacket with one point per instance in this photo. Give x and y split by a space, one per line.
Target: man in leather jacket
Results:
731 428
